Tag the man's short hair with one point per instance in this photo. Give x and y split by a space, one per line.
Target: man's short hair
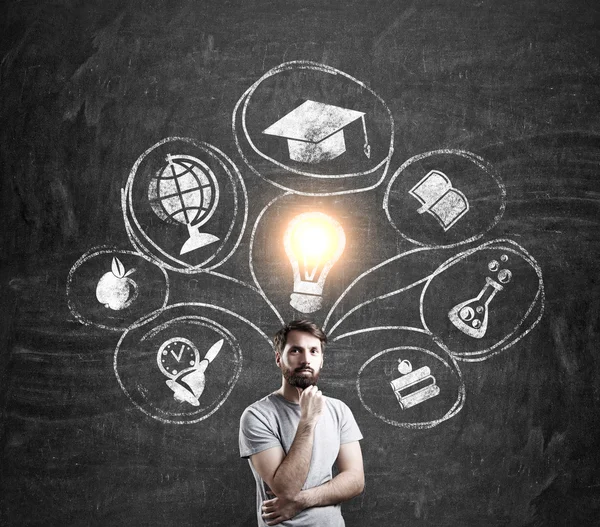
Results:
308 326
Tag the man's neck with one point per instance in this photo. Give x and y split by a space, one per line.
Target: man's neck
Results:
289 392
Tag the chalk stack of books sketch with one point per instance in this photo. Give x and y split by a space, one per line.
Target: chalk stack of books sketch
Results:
437 197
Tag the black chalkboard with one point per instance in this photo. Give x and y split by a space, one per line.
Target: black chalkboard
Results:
156 157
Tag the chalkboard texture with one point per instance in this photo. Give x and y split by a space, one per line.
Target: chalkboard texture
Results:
165 165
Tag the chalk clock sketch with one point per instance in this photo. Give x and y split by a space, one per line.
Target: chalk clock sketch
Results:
187 183
290 134
179 359
160 367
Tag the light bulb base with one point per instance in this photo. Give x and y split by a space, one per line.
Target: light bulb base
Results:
306 303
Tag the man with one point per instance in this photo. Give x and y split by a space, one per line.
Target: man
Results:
293 437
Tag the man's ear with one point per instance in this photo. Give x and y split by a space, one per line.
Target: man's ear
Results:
277 358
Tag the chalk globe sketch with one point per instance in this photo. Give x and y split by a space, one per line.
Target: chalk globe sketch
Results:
185 191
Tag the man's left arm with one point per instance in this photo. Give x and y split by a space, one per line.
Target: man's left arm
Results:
349 482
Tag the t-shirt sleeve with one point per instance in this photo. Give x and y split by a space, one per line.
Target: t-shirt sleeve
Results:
256 433
349 429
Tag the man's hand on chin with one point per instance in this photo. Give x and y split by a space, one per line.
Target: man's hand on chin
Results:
279 509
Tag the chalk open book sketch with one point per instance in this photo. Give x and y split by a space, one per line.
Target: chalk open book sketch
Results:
315 131
437 196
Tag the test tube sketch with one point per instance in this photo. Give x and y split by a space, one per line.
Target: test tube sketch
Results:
179 359
304 120
315 131
313 242
490 296
179 366
438 198
189 185
450 187
112 288
413 387
186 191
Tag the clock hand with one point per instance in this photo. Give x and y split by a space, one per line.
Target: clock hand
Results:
178 357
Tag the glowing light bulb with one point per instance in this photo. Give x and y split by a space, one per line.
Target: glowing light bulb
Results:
313 242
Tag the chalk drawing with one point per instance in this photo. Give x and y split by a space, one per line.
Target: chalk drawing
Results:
112 300
413 387
418 399
115 290
380 297
178 358
192 186
187 396
472 317
438 198
315 131
313 243
375 157
185 191
449 183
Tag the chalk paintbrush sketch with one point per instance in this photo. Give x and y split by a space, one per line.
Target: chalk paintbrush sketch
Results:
460 194
313 242
315 131
438 198
179 359
186 191
114 288
196 386
185 182
290 135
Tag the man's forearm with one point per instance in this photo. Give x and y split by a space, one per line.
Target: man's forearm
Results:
344 486
293 470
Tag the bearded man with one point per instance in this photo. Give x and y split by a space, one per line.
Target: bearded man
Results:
294 436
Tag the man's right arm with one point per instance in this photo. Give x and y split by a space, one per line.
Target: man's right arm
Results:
286 474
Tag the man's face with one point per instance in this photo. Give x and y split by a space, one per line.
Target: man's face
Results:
301 360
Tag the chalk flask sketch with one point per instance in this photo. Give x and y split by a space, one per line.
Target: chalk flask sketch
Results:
315 131
185 191
438 198
472 316
115 289
413 387
313 242
179 359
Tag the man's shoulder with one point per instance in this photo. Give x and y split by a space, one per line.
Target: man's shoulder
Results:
266 404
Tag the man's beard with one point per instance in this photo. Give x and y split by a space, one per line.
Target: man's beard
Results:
300 380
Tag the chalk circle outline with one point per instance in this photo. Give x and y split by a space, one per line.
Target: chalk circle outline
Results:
155 251
314 66
162 415
470 156
422 425
539 299
97 251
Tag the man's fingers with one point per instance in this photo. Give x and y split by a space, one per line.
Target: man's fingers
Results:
277 520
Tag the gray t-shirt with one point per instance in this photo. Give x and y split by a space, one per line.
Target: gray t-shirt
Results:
272 422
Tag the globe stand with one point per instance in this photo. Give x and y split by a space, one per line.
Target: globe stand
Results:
197 239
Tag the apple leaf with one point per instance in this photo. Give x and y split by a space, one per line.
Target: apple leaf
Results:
117 268
131 271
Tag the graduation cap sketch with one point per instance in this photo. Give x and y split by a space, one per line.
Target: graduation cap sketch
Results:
315 131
